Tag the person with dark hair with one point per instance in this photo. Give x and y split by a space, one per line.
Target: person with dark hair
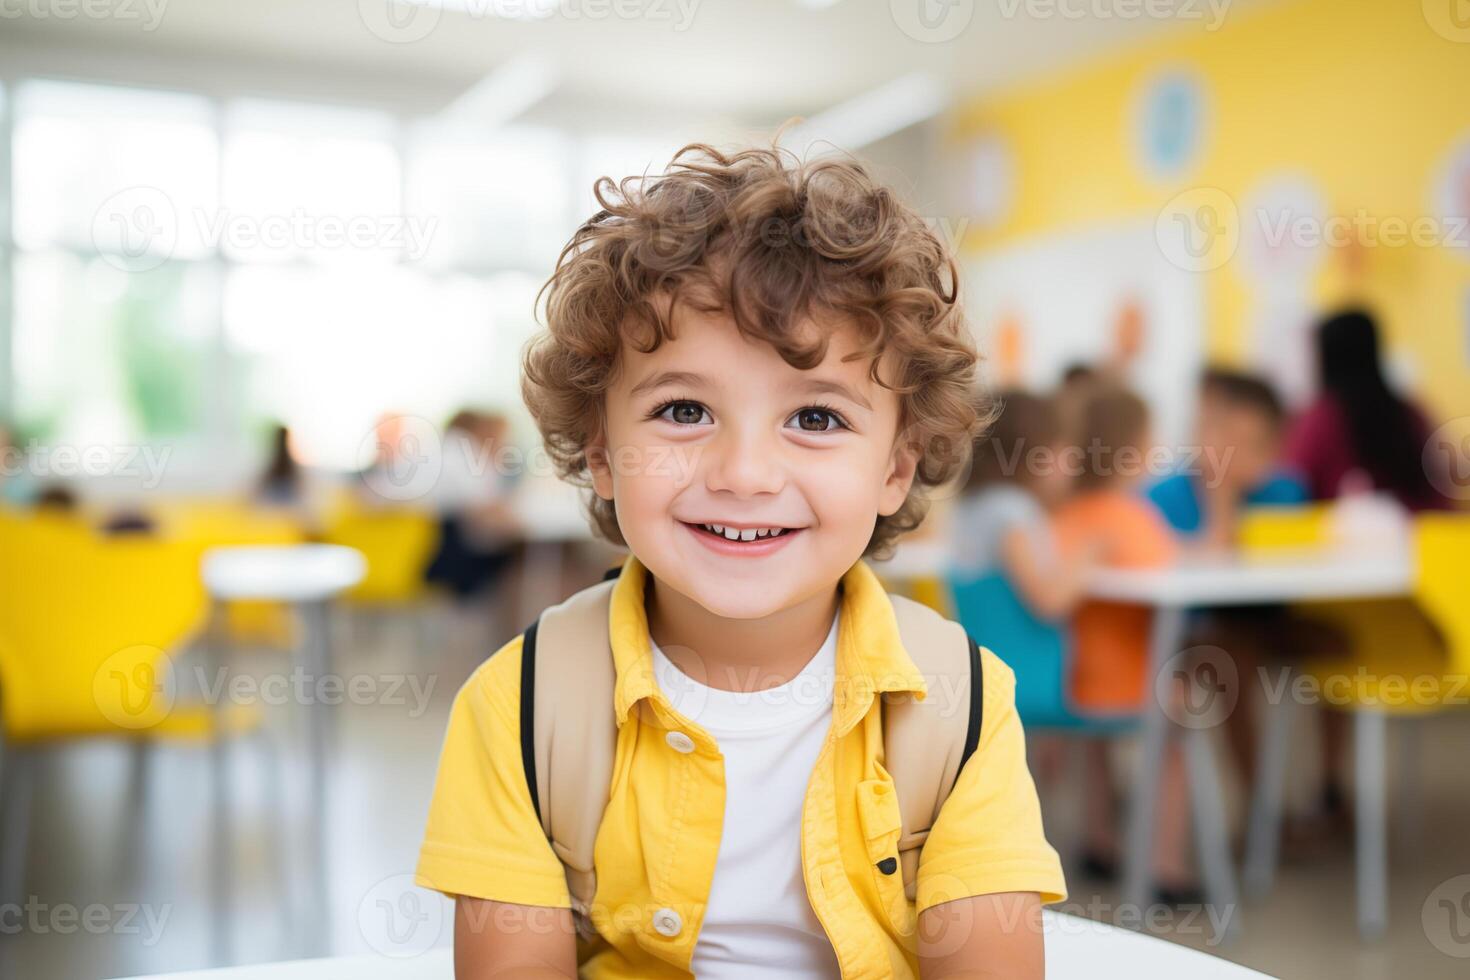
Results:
1359 428
1239 432
280 484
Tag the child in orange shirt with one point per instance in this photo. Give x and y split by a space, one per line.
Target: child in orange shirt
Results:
1110 640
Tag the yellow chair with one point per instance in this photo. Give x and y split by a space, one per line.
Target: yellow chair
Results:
1408 657
88 625
210 522
398 544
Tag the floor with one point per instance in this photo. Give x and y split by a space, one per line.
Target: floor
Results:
109 897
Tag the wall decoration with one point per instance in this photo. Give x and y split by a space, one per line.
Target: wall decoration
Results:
1453 200
1170 122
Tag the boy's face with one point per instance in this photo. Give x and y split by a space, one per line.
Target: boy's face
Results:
715 428
1240 443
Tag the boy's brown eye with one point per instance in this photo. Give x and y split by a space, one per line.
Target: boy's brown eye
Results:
816 420
685 413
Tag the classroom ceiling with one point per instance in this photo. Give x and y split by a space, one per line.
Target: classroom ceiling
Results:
758 60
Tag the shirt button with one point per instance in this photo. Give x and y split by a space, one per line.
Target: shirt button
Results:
679 742
666 922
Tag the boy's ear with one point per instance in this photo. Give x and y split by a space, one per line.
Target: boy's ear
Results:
597 465
900 479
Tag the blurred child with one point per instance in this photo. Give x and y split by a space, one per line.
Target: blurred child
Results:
1239 434
1110 640
1000 524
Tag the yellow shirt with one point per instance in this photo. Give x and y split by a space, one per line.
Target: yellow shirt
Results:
660 835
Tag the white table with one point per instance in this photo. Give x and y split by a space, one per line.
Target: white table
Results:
1227 581
308 576
1075 948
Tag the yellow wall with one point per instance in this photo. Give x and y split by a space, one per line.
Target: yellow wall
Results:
1361 95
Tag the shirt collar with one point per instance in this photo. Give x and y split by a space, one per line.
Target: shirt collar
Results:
870 654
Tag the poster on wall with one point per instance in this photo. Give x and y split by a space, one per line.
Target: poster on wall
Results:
986 180
1453 200
1281 252
1170 122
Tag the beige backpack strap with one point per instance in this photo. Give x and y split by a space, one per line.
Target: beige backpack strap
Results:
567 680
926 743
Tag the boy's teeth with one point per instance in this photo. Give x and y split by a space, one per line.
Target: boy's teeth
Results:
748 534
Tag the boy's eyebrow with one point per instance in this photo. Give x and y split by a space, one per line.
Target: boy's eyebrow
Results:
662 378
818 385
693 379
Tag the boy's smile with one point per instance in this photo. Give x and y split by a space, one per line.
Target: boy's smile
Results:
772 477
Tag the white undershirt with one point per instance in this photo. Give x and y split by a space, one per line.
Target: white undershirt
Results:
759 921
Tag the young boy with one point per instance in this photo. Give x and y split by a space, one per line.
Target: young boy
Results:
749 360
1239 432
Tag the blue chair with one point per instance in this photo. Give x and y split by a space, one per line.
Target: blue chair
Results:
1037 651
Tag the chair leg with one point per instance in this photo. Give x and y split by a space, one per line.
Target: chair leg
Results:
285 867
135 826
1370 729
1263 834
1212 839
17 787
1407 796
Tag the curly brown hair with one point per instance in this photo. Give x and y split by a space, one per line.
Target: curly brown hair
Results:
774 242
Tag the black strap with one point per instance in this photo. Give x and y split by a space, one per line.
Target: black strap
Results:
613 572
528 713
977 703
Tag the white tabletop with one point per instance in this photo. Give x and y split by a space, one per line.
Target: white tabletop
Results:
282 573
1075 948
1275 577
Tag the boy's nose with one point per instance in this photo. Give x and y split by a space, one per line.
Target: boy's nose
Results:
745 464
